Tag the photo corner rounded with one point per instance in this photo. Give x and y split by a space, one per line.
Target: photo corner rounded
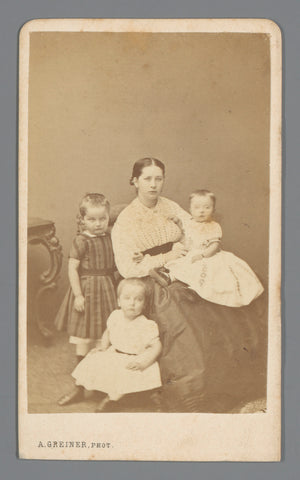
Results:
30 26
273 28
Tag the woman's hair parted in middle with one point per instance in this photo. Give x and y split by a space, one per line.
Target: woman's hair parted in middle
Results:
138 282
203 193
145 162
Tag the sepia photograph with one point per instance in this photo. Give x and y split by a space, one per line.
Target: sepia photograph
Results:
150 226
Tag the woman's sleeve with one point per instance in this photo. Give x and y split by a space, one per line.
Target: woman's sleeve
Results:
181 214
178 211
124 247
78 248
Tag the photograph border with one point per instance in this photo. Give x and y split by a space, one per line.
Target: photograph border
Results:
254 447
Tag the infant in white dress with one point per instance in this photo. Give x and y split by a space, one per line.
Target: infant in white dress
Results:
216 275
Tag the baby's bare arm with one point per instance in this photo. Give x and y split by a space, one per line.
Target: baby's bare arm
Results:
103 344
147 358
210 251
105 341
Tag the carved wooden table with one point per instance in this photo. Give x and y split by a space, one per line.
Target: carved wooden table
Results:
42 232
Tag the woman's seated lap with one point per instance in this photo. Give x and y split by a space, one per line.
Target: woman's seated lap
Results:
206 347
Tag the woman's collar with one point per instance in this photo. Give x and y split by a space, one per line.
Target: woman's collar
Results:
138 203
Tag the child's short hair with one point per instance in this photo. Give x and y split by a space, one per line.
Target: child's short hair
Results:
203 193
93 200
138 282
90 200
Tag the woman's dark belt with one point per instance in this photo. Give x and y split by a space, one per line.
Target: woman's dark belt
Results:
101 272
124 353
165 248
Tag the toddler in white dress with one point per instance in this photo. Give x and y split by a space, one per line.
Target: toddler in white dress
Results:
125 362
216 275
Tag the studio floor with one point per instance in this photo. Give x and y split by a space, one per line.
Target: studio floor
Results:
50 363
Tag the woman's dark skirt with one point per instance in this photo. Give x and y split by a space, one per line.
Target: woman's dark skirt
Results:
214 357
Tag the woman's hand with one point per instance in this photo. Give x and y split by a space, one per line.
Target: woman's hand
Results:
176 220
179 224
137 257
178 250
79 303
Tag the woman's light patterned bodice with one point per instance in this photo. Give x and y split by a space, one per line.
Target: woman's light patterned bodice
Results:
139 228
153 227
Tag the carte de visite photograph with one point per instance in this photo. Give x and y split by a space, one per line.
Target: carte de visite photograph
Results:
150 239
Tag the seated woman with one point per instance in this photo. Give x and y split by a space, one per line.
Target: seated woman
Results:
209 351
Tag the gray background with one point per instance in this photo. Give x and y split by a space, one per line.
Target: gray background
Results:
207 119
12 16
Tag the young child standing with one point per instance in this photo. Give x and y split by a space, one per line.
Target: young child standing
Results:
125 361
216 275
91 296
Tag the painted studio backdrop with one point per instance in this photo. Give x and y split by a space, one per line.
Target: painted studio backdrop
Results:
197 101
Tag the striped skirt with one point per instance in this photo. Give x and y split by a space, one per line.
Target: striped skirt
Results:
100 301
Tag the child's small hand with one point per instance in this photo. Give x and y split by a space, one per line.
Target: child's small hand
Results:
137 257
196 258
135 365
99 348
94 350
79 303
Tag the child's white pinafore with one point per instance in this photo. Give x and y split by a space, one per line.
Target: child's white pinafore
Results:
106 371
